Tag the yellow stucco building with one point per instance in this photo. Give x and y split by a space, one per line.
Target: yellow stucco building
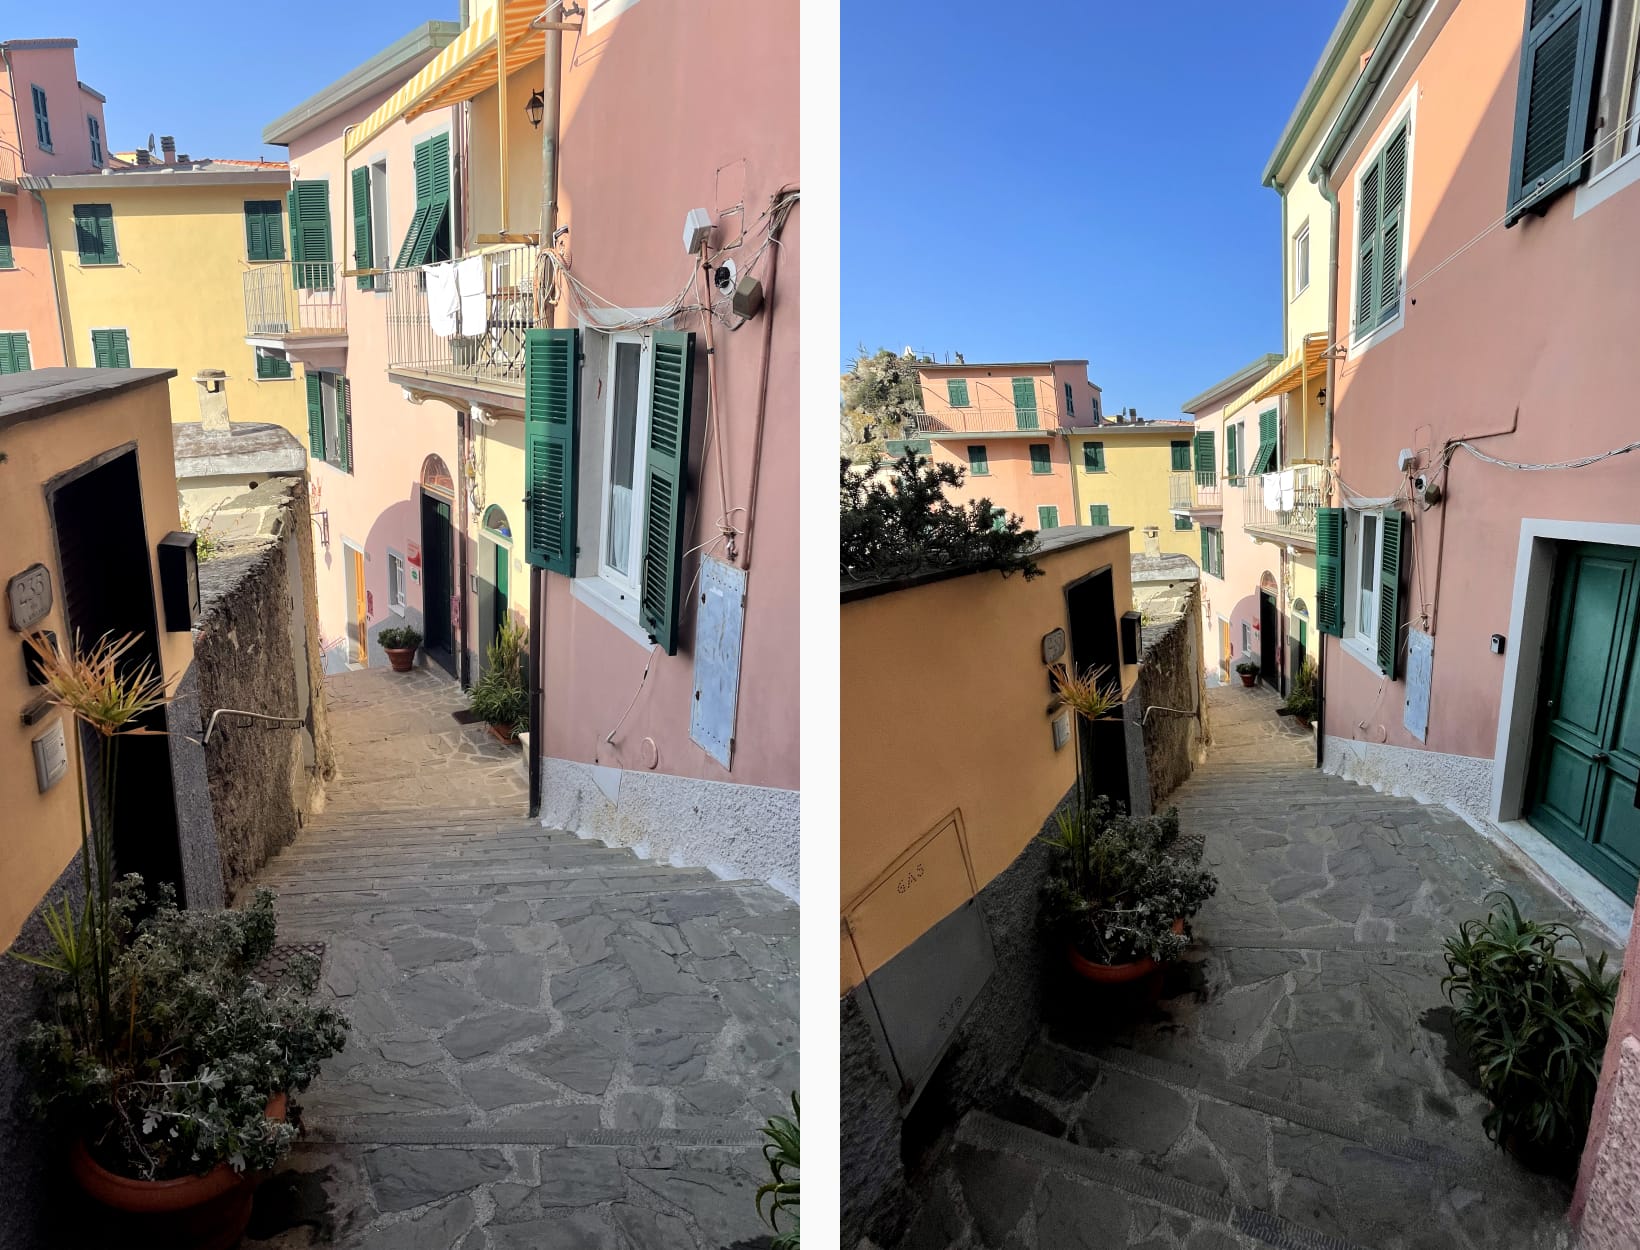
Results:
1120 474
148 261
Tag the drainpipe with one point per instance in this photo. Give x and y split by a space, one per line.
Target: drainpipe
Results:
1324 184
464 666
551 99
56 281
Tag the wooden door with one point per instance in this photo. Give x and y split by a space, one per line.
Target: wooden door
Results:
358 628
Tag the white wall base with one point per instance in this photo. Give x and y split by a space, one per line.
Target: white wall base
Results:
734 831
1463 784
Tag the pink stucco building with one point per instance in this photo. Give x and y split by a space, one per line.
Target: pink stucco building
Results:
50 123
577 426
1480 575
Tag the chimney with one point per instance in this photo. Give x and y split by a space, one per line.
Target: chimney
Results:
143 157
213 400
1153 540
168 145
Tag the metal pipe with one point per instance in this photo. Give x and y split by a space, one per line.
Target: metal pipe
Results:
56 283
725 522
501 101
210 728
1324 184
464 666
775 227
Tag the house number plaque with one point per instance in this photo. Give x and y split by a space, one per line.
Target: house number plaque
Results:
28 597
1053 646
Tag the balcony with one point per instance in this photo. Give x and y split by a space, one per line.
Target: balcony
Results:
990 419
475 345
1282 506
286 300
1186 492
11 168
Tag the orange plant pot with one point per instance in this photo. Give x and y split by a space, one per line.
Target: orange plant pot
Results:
1113 974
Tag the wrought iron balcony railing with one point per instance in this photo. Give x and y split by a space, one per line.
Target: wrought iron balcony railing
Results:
11 162
1284 504
475 337
1188 490
990 419
287 299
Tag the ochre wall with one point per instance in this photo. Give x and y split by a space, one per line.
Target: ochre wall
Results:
1134 483
44 829
966 727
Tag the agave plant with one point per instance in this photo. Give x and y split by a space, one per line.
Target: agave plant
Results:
782 1191
1090 695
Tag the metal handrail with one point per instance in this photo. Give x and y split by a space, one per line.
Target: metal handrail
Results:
1299 519
284 298
487 350
210 728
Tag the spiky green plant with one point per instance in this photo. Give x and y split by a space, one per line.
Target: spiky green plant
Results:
782 1190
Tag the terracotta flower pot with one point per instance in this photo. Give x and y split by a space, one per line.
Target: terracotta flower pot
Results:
1113 974
1247 679
403 659
503 733
208 1212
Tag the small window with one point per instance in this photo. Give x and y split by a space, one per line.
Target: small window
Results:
1096 407
999 519
381 225
1047 517
94 234
1618 104
1041 458
956 390
6 261
95 127
264 230
110 349
42 120
1246 638
1070 401
1181 521
395 582
1366 555
1025 417
333 417
270 366
14 355
1301 259
1181 455
979 462
1098 514
1093 457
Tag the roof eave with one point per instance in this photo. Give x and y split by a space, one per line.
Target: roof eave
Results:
1235 383
1326 69
154 178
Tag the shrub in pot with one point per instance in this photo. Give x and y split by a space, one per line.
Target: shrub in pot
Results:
400 643
1118 890
500 696
1249 672
1534 1022
1301 700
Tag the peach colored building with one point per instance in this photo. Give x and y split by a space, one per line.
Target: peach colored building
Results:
1007 425
1480 574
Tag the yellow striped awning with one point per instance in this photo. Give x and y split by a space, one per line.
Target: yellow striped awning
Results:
1308 360
466 67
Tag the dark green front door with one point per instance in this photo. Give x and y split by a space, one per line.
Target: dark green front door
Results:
438 581
1586 743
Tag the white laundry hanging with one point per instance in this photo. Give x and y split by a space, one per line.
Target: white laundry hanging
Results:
1289 488
443 300
1272 492
469 280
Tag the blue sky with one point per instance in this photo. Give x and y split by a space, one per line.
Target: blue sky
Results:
1077 180
210 73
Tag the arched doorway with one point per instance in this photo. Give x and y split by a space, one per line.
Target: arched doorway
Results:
494 579
438 562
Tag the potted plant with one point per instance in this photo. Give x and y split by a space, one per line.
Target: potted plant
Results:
400 643
1119 890
1534 1023
1249 672
783 1190
501 696
1301 700
159 1049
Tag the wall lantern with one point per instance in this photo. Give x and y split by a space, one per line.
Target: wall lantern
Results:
535 108
179 580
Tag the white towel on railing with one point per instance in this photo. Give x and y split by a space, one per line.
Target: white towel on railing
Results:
443 300
470 288
1289 480
1272 492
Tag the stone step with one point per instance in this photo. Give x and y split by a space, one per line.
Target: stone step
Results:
336 815
318 857
411 824
661 880
298 883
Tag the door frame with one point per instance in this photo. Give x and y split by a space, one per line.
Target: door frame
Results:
354 554
1530 606
438 654
1270 640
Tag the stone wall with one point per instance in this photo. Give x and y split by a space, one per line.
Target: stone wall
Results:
257 650
1172 677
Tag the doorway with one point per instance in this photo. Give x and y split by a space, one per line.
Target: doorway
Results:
1269 641
107 580
494 556
1090 606
1227 651
1586 733
437 548
358 619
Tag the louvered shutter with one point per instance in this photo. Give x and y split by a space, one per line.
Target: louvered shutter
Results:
1207 557
316 417
1558 78
409 251
262 238
1392 181
1232 458
437 243
6 261
122 349
1025 403
363 242
666 482
1366 261
14 355
101 358
956 391
313 268
291 215
1329 571
1389 592
551 366
344 398
94 234
1264 458
1098 514
1206 470
1181 456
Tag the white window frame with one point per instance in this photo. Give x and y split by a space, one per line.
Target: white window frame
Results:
397 584
1408 112
43 113
381 236
627 585
1624 169
99 149
1361 585
1301 241
330 405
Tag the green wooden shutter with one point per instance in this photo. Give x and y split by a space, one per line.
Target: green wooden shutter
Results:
291 215
363 253
311 267
14 356
1329 571
1392 189
42 120
1025 403
1047 516
94 234
344 401
1264 459
1394 535
263 238
6 261
1041 458
1093 457
956 391
437 245
979 461
1206 469
1366 254
316 417
270 367
1232 458
410 250
1181 455
110 349
1558 79
667 480
551 369
122 349
1207 557
1098 514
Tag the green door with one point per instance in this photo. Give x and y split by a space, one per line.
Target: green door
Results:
438 582
1586 743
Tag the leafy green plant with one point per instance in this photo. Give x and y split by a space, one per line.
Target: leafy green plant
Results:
399 638
199 1045
1534 1023
1116 883
1301 700
501 695
782 1190
1247 667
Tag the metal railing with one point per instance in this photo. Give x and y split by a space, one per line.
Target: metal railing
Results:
470 340
1178 490
286 298
990 418
1285 503
11 162
1186 490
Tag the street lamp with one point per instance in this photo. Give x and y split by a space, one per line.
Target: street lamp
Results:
535 108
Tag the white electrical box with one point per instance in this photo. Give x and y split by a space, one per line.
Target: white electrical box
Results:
50 756
697 228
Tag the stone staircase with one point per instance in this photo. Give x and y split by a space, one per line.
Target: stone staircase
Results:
1293 1082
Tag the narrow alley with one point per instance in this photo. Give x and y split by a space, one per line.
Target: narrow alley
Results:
1296 1083
555 1042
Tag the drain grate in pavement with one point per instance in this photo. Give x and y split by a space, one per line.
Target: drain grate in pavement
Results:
276 967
